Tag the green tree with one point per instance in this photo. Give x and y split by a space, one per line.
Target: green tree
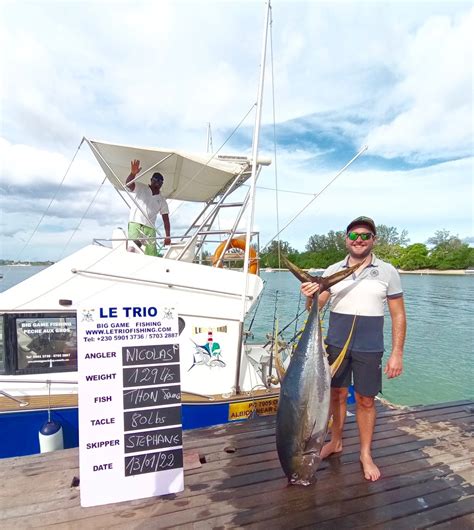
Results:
388 235
269 255
442 238
414 257
449 252
456 257
332 241
389 244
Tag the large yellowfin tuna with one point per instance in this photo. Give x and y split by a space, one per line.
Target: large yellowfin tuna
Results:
303 408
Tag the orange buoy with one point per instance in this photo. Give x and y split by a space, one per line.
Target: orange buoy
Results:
236 243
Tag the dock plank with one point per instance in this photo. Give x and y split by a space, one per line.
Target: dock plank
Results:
424 454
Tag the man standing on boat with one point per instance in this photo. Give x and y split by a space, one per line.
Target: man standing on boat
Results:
149 203
359 300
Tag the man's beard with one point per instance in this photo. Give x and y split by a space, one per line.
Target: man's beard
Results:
360 255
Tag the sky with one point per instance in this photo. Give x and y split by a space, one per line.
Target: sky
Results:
396 76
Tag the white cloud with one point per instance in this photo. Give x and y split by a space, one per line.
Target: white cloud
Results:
435 90
154 73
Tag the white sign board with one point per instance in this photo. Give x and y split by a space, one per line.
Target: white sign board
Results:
130 433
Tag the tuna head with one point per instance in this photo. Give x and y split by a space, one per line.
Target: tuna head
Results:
303 408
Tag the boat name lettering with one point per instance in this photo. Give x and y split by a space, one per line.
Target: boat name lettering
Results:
99 445
140 312
101 355
100 377
103 421
136 312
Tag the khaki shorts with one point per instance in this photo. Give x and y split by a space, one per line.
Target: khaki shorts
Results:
146 235
364 368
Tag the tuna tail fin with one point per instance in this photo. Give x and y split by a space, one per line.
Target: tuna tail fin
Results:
324 282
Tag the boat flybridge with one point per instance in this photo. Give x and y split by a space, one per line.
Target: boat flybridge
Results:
223 378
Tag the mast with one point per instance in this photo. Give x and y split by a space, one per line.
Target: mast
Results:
253 181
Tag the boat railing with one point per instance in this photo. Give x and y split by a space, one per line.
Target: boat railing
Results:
39 381
24 403
192 253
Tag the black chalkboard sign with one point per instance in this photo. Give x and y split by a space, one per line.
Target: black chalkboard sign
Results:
135 398
152 440
153 462
151 375
150 354
150 418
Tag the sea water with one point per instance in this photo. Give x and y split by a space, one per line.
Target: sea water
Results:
439 349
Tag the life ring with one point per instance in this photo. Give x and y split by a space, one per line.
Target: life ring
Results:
236 243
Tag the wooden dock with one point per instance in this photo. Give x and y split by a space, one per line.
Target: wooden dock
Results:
425 455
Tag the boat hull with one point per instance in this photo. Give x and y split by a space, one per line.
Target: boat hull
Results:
21 427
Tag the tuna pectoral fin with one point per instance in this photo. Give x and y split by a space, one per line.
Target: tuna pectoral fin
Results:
335 365
328 281
300 274
324 282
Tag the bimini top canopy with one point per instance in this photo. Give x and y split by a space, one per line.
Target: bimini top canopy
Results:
188 177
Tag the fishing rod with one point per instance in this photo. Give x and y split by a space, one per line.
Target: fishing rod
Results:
255 312
273 338
296 319
286 327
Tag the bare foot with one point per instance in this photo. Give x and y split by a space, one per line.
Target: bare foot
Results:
330 448
371 471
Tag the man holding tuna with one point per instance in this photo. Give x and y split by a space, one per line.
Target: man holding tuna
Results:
358 302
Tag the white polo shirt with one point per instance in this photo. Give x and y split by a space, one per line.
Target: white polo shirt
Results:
363 295
149 203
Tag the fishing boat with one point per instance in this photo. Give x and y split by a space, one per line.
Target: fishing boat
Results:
223 377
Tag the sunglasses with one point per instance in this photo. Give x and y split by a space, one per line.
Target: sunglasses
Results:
364 236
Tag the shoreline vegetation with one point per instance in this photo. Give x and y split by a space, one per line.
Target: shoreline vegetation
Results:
420 272
11 263
441 254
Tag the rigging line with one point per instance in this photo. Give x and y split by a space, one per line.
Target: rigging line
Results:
274 337
213 156
283 191
318 194
274 143
82 219
50 202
